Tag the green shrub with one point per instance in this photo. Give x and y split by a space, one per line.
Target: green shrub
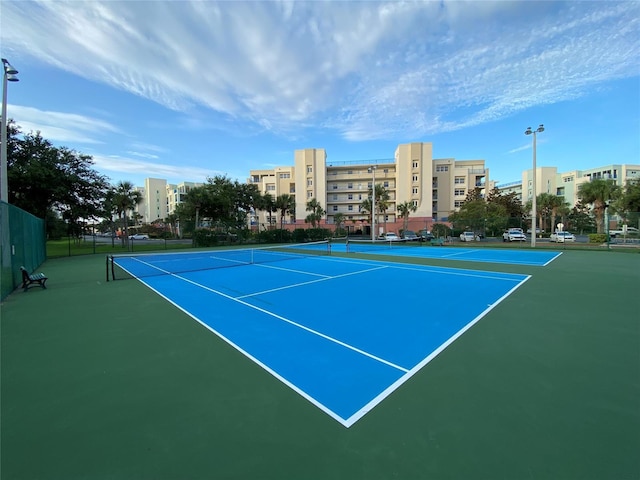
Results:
597 238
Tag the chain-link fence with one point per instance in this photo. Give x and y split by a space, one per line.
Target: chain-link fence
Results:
23 243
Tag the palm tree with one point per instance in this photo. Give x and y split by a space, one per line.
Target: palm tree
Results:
267 203
382 202
339 219
598 192
316 214
125 199
284 203
172 220
405 209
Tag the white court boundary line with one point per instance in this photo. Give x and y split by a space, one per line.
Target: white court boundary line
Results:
348 422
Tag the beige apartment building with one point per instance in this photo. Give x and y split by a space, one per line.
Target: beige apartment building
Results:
567 184
159 198
437 187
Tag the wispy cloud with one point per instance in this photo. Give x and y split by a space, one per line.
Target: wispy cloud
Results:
61 126
172 173
391 69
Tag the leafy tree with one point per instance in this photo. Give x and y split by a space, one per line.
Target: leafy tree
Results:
339 219
44 178
598 193
512 205
627 203
405 209
479 215
285 203
316 214
581 219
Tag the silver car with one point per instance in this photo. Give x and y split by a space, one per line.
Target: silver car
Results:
562 237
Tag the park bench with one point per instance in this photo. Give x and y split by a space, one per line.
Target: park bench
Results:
31 279
437 242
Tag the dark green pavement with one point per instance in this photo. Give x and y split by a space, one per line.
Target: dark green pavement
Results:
110 381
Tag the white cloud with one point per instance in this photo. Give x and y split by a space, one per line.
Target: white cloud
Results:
142 169
61 126
390 68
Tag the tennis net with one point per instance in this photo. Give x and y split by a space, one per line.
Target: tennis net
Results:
364 246
153 264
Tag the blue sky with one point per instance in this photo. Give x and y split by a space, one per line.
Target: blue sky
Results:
184 91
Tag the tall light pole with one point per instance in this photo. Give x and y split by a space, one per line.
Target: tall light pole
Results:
372 170
8 74
534 215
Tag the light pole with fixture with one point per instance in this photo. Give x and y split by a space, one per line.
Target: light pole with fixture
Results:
8 74
533 184
372 170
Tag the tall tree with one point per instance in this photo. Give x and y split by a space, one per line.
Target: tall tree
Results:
405 209
44 178
284 203
598 193
316 214
125 199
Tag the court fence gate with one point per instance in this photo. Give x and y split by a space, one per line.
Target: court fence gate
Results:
22 243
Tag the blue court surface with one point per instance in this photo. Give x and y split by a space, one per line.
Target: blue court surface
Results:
343 333
491 255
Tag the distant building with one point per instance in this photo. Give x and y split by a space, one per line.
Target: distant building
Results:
437 187
567 184
160 199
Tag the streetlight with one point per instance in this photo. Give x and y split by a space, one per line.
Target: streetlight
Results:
533 187
372 170
9 74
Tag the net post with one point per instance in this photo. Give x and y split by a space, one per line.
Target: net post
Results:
113 273
107 267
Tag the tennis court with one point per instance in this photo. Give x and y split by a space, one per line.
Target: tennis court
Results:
112 381
345 364
413 249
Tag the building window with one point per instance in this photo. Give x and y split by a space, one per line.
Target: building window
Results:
415 178
271 188
458 192
285 175
385 184
349 172
335 208
442 168
458 203
415 164
415 189
349 185
350 196
335 196
309 182
309 194
459 180
415 203
309 169
335 187
350 208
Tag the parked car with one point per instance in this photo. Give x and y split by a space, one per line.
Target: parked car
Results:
425 235
139 236
562 237
390 237
409 236
468 237
628 231
514 235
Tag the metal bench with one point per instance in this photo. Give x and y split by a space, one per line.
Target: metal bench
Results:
437 242
29 280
